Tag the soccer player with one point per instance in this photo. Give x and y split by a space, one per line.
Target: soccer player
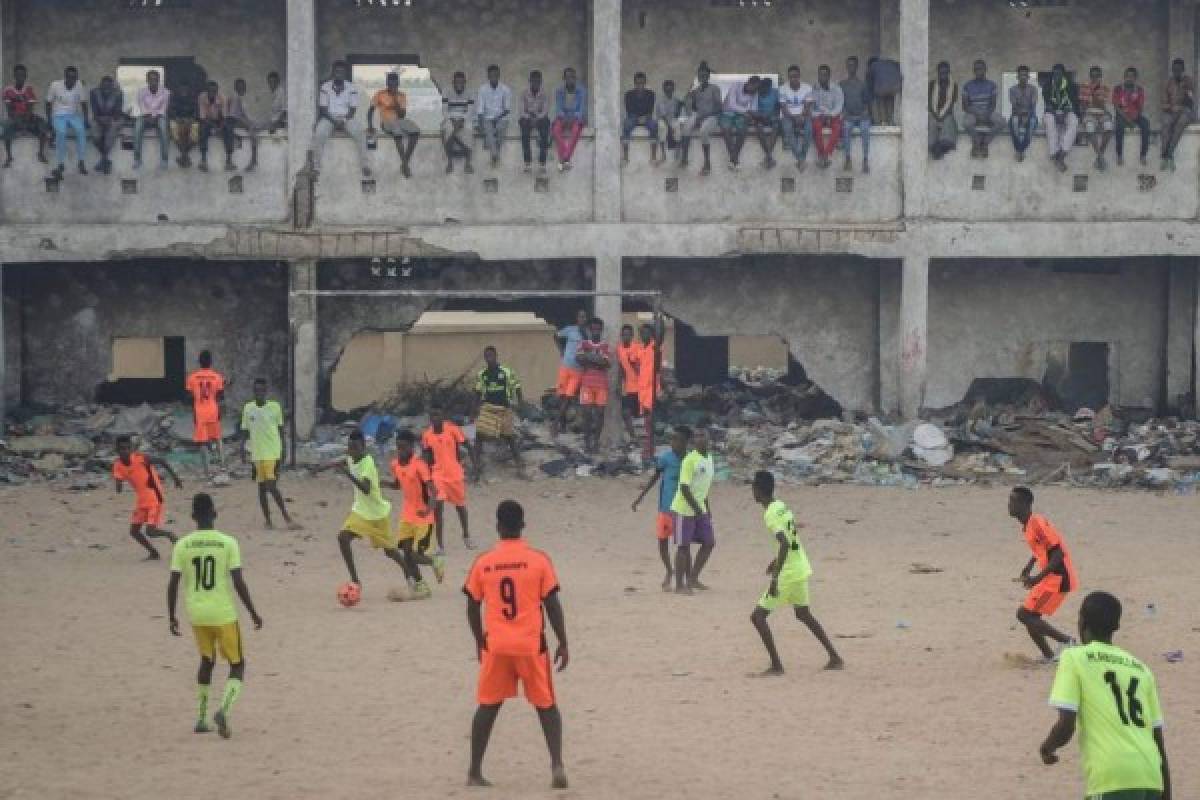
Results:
262 424
595 357
692 514
371 515
499 395
570 373
411 477
442 441
629 354
666 469
212 562
207 388
511 584
649 368
1113 698
138 470
1055 578
789 572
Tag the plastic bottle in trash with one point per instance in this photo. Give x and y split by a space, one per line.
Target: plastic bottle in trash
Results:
1151 610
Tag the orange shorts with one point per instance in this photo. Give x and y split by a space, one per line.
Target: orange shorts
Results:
593 397
664 526
498 677
151 515
450 491
207 432
568 381
1046 597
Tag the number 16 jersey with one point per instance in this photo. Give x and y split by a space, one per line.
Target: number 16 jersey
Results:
1116 699
511 580
203 560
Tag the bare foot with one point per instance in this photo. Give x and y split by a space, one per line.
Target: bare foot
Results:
683 590
666 584
152 556
269 525
698 585
769 672
294 526
478 780
835 663
559 779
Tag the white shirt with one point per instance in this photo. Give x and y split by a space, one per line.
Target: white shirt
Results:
338 105
493 101
737 99
66 101
279 103
794 100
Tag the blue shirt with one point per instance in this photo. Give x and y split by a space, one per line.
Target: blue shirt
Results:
574 337
769 102
669 465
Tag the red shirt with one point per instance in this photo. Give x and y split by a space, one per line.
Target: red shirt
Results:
595 377
412 478
141 475
1129 101
1043 537
444 447
20 100
511 581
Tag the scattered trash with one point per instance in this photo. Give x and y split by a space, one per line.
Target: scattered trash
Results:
924 569
903 625
1173 656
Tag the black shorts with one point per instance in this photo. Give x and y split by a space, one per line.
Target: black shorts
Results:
631 404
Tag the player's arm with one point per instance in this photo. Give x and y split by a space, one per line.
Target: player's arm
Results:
558 621
689 498
282 446
475 620
1059 736
363 485
244 435
1166 770
172 597
776 566
1028 569
162 462
1053 564
239 583
646 489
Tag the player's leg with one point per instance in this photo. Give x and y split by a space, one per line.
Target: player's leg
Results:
758 618
552 729
708 540
155 532
477 457
439 523
203 687
681 536
413 570
135 531
273 490
264 503
804 614
344 540
481 732
231 648
466 527
423 541
663 529
1040 630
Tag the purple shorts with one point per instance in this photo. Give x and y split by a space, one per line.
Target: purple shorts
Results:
698 529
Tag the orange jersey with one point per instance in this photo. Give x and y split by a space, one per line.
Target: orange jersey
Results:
1043 537
444 447
204 386
511 580
141 475
629 357
413 478
647 355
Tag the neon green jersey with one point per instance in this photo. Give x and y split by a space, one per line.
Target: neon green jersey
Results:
263 424
372 505
1116 698
203 560
696 473
779 519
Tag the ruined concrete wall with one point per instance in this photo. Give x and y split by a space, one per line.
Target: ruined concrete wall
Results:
229 38
467 35
1112 34
12 336
824 307
237 310
1003 319
668 38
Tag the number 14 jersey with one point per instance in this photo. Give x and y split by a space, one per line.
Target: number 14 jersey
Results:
203 560
511 580
1116 698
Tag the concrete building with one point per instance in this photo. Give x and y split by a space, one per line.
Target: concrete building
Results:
893 290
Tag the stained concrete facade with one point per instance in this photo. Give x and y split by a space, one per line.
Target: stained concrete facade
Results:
739 252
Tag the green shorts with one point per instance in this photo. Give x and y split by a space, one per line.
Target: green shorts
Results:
792 592
733 120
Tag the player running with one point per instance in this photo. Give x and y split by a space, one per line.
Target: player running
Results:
789 572
411 477
692 514
1113 698
210 563
511 584
442 442
262 424
666 469
1055 578
138 470
207 388
371 515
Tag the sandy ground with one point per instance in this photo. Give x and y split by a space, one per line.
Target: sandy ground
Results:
96 698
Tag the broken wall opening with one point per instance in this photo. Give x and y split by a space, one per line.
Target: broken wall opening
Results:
146 370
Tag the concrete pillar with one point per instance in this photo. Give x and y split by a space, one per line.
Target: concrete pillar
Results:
1181 327
914 116
606 110
301 82
914 333
1181 34
1196 345
608 308
306 364
3 363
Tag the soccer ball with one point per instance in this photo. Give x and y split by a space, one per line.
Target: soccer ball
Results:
348 594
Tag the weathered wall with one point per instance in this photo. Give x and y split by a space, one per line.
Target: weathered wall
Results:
1112 34
12 336
467 35
229 38
72 312
825 308
1000 319
669 38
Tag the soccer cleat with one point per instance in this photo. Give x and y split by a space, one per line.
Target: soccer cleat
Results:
468 543
201 727
439 567
222 725
421 591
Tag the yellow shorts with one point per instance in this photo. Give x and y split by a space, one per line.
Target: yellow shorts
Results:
416 532
793 592
264 471
376 531
227 637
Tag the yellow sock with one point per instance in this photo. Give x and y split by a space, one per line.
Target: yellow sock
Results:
233 688
202 700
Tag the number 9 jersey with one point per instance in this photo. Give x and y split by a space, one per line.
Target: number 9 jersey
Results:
1116 699
204 559
511 580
